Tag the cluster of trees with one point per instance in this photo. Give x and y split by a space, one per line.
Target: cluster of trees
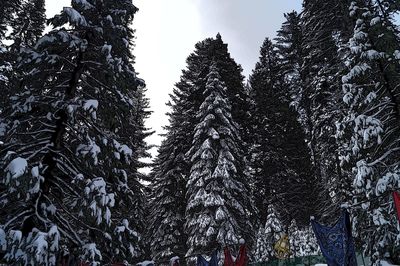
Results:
72 134
317 125
315 128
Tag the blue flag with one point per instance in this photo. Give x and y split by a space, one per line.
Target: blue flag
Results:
201 261
336 242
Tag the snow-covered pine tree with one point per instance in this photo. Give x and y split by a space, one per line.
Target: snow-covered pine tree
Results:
262 79
290 54
8 11
214 49
30 23
32 14
268 235
302 241
281 159
167 214
219 201
171 169
323 31
138 194
67 154
294 239
171 166
169 176
231 75
371 125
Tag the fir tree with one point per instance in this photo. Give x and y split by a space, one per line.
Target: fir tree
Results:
371 125
281 159
268 235
67 155
169 175
167 238
171 166
219 201
214 49
323 33
289 49
29 26
302 241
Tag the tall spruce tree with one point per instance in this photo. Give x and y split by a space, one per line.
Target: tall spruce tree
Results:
371 125
169 176
172 168
214 49
324 28
8 15
219 201
262 78
138 194
67 155
167 213
289 49
281 160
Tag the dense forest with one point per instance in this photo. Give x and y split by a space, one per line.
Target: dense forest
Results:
313 130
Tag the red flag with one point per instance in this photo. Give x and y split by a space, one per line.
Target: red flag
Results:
396 198
241 260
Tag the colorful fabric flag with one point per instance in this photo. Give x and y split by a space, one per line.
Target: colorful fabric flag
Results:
396 198
201 261
241 259
336 242
282 247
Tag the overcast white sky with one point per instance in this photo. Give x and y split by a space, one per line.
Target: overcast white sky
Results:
167 31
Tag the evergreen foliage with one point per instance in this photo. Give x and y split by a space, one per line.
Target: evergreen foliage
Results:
317 126
8 9
268 235
172 168
30 23
370 128
281 158
219 201
70 155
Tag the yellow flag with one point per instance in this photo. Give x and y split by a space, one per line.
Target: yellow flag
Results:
282 247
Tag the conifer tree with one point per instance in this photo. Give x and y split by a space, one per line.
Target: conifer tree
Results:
371 125
302 241
268 235
281 159
167 238
30 23
168 184
325 27
67 156
219 201
172 168
8 11
214 49
289 49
